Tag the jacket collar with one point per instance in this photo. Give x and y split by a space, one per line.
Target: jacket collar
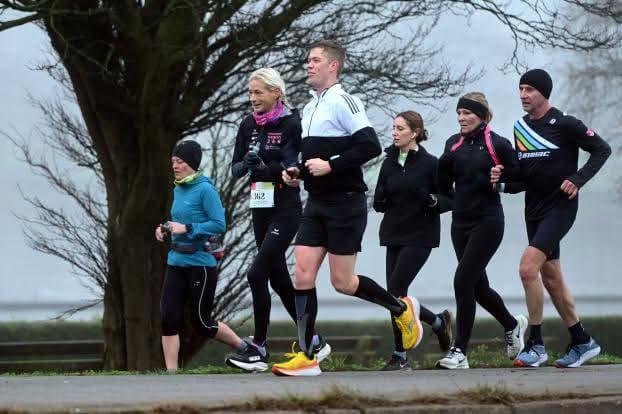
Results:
334 88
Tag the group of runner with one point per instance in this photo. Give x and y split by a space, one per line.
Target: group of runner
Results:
325 147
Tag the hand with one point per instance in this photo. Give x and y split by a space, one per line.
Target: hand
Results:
495 174
318 167
251 159
290 176
159 235
177 228
569 188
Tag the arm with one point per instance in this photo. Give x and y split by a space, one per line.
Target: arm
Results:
445 174
380 199
215 223
444 201
365 145
591 142
238 167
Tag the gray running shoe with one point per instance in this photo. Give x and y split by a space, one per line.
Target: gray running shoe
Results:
532 356
577 355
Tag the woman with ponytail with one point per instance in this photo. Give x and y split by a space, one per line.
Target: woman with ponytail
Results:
407 194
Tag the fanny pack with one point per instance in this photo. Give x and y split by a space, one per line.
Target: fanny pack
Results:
213 246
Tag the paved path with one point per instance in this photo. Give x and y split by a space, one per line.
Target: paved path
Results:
89 393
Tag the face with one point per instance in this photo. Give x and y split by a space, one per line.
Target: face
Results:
320 70
531 99
181 170
262 98
402 135
468 120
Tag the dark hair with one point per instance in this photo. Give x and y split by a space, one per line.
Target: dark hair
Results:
415 122
332 49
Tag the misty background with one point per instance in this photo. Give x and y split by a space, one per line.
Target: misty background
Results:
31 281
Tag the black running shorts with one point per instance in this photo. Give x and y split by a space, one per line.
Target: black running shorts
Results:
545 234
335 221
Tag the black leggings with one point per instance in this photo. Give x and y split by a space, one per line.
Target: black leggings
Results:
197 282
475 243
274 230
403 265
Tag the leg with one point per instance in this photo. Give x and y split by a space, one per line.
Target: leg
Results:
558 290
475 249
202 290
308 262
530 264
258 275
287 221
563 300
174 293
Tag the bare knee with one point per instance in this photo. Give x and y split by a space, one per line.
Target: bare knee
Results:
305 277
342 283
531 263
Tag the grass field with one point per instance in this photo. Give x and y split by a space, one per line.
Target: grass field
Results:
607 330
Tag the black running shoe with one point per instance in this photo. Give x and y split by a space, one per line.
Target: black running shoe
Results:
249 359
396 363
445 335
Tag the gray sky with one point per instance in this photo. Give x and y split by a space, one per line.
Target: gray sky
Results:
30 276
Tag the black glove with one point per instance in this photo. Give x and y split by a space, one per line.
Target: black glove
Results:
251 159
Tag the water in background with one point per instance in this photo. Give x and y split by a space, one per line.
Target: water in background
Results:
589 256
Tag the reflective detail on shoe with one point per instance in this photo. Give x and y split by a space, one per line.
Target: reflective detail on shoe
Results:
445 335
514 339
249 359
455 359
409 324
297 366
396 363
533 355
577 355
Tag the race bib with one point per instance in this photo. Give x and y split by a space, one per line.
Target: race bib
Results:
262 195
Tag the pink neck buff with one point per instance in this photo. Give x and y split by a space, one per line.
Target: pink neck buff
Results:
267 117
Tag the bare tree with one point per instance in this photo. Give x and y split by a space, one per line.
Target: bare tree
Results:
146 73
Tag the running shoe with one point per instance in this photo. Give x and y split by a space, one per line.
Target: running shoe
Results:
577 355
249 359
455 359
533 355
298 365
514 339
396 363
445 334
409 324
322 350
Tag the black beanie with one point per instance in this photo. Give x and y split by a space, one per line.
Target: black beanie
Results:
539 79
190 152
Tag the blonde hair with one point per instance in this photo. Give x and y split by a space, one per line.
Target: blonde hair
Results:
273 81
481 98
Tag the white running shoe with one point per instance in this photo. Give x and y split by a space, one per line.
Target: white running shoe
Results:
514 339
455 359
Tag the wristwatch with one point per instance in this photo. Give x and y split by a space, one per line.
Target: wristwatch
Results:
188 228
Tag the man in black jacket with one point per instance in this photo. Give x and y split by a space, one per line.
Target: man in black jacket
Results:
547 143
